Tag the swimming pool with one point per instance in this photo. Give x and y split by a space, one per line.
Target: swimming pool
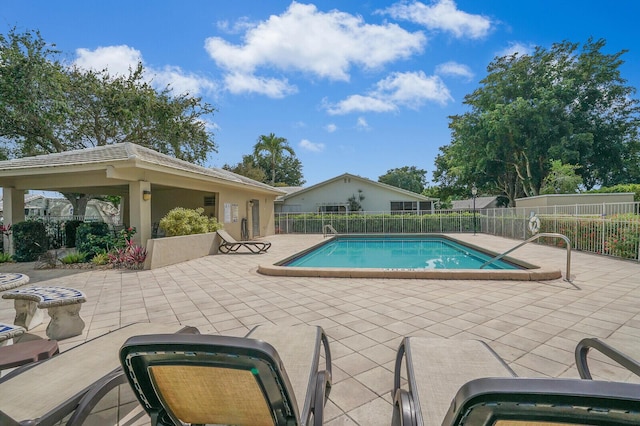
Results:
431 256
411 252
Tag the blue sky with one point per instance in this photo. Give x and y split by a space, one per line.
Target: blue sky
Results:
357 87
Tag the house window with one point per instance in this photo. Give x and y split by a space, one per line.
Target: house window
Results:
210 201
403 206
332 208
426 206
411 206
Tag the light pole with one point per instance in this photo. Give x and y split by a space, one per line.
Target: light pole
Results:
474 192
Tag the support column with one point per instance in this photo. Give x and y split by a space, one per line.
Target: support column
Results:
13 212
140 211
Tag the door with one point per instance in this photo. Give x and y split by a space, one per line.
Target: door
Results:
255 218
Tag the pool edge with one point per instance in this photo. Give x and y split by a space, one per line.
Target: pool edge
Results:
529 273
539 274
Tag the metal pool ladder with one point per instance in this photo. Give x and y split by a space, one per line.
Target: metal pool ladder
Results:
533 238
328 229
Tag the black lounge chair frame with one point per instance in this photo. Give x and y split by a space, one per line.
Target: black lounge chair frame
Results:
406 404
141 354
485 400
585 345
548 401
82 402
230 245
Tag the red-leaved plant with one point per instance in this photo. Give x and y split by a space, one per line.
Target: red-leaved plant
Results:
132 256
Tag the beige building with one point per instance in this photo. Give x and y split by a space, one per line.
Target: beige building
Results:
572 199
150 184
331 196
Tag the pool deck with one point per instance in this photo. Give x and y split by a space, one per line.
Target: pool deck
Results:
533 325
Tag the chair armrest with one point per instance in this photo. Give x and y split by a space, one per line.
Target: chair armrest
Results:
582 350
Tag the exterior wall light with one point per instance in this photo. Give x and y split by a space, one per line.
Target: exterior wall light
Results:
146 195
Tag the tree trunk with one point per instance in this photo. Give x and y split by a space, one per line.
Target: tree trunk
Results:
78 202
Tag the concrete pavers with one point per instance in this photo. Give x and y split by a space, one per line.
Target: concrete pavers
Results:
534 326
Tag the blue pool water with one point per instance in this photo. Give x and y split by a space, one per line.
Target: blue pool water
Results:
395 253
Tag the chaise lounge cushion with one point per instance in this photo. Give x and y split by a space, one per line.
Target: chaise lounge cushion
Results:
271 377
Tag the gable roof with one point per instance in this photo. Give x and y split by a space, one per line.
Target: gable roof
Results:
126 153
349 175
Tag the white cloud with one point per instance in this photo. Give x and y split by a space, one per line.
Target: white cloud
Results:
326 45
246 83
359 103
410 89
361 124
310 146
241 25
454 69
118 60
182 82
331 128
517 47
442 15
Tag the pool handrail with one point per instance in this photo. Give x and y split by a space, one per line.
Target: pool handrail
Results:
326 228
533 238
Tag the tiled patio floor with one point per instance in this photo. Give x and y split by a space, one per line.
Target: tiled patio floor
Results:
534 326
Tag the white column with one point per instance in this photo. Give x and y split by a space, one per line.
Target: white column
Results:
140 211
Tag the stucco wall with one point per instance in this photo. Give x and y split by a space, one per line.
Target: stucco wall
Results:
171 250
571 199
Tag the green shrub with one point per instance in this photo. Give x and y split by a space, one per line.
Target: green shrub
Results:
182 221
70 229
5 258
94 237
100 259
71 258
30 240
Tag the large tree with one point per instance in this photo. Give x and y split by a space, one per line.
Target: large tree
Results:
248 167
47 107
568 103
272 148
408 177
288 171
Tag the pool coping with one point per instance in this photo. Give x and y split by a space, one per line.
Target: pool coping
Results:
531 273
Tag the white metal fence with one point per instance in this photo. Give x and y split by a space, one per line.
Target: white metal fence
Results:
607 229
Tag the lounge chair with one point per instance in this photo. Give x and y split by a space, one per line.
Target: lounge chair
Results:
544 402
463 382
435 370
606 348
207 379
71 382
231 245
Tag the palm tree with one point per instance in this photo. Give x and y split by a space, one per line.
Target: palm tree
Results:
274 147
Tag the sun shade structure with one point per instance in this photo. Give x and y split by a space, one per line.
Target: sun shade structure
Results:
464 382
230 245
150 184
271 377
72 382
